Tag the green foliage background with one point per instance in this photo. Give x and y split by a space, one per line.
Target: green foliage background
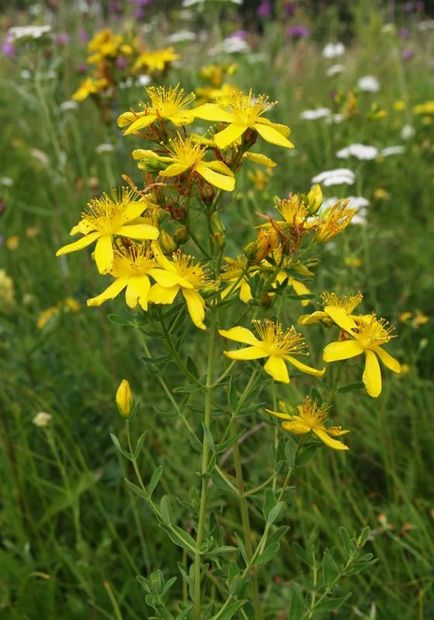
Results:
72 536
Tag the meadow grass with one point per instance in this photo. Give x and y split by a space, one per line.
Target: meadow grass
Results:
73 536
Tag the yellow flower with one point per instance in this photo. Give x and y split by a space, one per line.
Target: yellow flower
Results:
180 274
124 398
236 274
381 194
185 155
311 417
155 60
7 293
424 108
243 112
334 221
12 242
277 345
131 270
71 304
348 303
259 178
399 105
46 315
369 334
106 217
103 44
89 86
164 104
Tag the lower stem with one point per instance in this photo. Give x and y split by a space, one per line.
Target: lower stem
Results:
245 521
204 470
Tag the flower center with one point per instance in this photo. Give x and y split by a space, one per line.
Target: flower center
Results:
371 331
277 341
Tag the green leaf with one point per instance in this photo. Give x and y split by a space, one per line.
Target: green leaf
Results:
305 455
155 479
119 448
230 610
332 603
192 368
181 538
268 554
165 510
139 445
276 513
222 550
68 497
330 568
136 490
297 606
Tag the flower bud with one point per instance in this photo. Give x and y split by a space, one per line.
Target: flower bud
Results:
250 249
181 235
167 242
216 223
124 399
314 199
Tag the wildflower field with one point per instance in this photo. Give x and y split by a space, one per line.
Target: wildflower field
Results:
216 302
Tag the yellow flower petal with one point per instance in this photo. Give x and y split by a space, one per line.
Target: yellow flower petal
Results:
304 367
196 307
344 350
297 426
249 353
341 318
110 292
104 254
272 135
162 294
219 166
372 375
259 158
165 278
279 414
315 317
134 209
140 123
390 362
240 334
174 170
227 183
138 290
331 443
229 135
78 245
276 367
300 289
245 292
212 112
138 231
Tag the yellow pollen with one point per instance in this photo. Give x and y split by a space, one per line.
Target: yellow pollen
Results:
247 108
107 213
371 331
278 341
136 260
347 302
186 151
168 101
192 272
312 412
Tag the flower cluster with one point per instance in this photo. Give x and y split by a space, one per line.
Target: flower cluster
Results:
138 236
115 59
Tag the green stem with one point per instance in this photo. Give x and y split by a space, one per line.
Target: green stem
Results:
245 520
205 462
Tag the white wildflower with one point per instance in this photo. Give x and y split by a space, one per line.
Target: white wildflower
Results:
368 84
362 152
42 419
337 176
333 50
312 115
